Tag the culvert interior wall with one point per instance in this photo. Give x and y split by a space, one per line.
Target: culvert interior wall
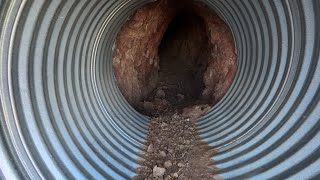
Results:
63 116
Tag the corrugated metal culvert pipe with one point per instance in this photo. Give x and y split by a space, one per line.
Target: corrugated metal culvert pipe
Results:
63 117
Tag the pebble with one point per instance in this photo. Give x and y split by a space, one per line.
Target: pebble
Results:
181 165
187 142
180 96
164 124
164 87
167 164
149 106
150 148
196 111
216 177
158 172
175 175
163 154
160 94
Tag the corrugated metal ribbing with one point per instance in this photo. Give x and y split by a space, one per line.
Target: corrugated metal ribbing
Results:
62 115
268 125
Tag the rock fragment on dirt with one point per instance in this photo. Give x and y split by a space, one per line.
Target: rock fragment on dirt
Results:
160 94
180 96
150 148
195 111
158 172
163 154
181 165
167 164
175 175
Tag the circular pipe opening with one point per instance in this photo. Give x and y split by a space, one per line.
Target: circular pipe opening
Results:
170 55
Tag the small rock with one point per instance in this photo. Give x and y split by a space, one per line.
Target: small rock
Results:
175 175
181 165
187 142
160 94
158 172
164 87
164 124
180 96
216 177
195 111
170 151
150 148
149 106
158 100
165 102
163 154
167 164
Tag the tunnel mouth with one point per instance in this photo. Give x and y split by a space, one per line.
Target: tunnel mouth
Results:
182 63
169 56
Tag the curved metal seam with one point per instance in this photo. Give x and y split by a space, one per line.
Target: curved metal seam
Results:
12 37
93 62
273 104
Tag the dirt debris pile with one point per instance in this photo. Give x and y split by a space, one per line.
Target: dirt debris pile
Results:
175 151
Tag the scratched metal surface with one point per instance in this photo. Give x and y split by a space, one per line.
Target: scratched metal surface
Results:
62 116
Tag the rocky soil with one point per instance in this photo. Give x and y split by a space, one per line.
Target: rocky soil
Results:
180 75
174 149
135 58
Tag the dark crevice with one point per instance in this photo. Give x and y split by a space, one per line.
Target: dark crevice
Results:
183 58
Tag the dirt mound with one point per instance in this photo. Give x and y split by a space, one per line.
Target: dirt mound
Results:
175 151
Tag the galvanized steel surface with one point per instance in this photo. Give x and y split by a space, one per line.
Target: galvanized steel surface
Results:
62 115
